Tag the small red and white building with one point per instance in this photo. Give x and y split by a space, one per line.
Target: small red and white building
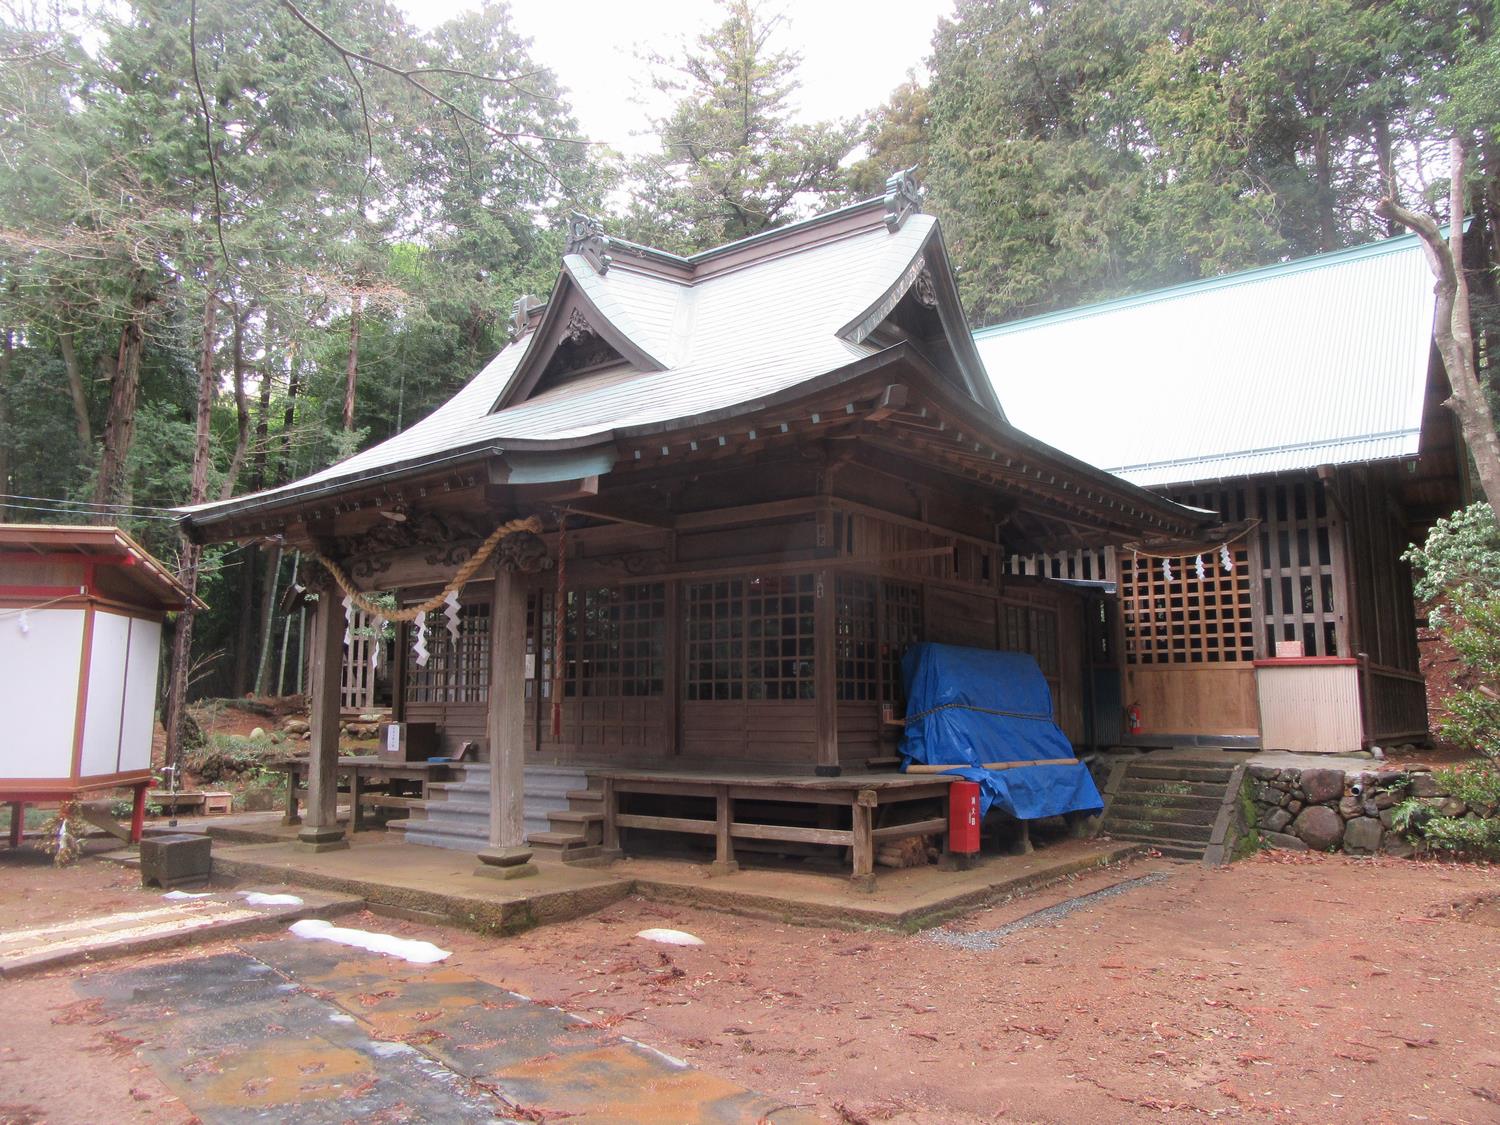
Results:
81 612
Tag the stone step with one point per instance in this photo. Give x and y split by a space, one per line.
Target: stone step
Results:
1150 809
1176 849
1214 790
1169 800
1159 829
1185 771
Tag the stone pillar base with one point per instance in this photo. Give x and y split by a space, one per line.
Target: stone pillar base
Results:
727 868
327 838
505 863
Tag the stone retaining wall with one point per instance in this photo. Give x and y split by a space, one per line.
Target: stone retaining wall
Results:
1330 810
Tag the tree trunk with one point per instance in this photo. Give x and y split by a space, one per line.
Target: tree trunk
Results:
1452 330
267 616
113 484
192 554
241 410
77 391
353 373
6 440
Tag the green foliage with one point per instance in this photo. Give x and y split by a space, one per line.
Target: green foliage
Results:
231 758
1459 564
733 162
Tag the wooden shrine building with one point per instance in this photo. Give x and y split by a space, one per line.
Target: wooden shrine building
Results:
759 473
1303 402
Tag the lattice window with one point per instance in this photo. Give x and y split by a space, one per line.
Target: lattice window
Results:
779 636
903 628
857 646
1031 629
616 641
715 639
750 638
1296 568
1184 619
456 671
614 644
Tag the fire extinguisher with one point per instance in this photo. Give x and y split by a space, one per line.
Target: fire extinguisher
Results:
1133 718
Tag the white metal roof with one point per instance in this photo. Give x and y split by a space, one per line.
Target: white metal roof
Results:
726 339
1320 361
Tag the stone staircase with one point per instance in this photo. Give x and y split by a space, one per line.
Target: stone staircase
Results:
1172 805
456 813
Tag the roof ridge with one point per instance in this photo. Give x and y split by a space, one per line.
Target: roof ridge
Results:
1395 244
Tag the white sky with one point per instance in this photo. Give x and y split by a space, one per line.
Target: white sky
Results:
852 57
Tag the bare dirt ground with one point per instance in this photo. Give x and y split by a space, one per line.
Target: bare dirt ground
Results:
1288 989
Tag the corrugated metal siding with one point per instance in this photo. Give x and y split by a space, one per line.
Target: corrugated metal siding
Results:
1321 361
1310 708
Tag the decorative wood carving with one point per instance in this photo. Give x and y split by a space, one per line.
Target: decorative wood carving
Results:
586 238
924 290
578 328
522 553
418 530
903 198
635 562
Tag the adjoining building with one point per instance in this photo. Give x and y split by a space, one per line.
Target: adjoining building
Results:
758 474
1301 401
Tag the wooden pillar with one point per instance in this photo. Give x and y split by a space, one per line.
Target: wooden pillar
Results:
724 861
825 674
321 832
17 822
507 857
862 825
138 812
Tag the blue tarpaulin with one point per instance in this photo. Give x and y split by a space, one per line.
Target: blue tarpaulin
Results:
968 706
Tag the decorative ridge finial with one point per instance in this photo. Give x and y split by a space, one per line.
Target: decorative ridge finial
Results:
520 315
903 198
586 237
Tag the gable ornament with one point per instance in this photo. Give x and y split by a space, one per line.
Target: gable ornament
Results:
578 328
520 315
586 238
903 198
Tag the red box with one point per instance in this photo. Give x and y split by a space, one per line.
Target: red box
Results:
963 817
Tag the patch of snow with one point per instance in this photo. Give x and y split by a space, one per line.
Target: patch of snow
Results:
339 1017
180 896
258 898
386 1049
417 952
670 937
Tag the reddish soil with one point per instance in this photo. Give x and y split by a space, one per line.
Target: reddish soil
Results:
1282 989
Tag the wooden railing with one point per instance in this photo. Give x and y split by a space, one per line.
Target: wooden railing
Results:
1395 703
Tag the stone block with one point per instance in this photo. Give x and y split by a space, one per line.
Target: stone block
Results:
1394 845
1350 807
1284 841
1263 773
1322 786
1276 820
1425 785
167 861
1294 807
1319 827
1362 835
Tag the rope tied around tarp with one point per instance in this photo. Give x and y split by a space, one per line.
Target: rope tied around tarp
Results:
982 710
460 579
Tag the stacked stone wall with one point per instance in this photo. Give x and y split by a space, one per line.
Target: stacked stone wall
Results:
1331 810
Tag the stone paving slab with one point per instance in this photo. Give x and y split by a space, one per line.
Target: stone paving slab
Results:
298 1030
175 922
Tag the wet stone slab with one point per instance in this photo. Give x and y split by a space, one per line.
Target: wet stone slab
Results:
303 1031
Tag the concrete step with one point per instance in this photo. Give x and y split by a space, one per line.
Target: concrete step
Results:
1159 829
576 816
438 835
1170 800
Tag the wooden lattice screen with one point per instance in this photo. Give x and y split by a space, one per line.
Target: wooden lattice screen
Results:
1184 619
357 689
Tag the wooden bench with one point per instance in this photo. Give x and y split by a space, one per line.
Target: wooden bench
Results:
862 794
367 780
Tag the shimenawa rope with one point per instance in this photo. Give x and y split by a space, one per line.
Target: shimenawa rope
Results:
460 578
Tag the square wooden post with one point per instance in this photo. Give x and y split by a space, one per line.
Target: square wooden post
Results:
724 862
507 857
321 832
825 675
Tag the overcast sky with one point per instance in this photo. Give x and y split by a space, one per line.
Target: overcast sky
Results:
851 57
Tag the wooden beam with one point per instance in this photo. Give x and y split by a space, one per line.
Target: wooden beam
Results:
825 674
